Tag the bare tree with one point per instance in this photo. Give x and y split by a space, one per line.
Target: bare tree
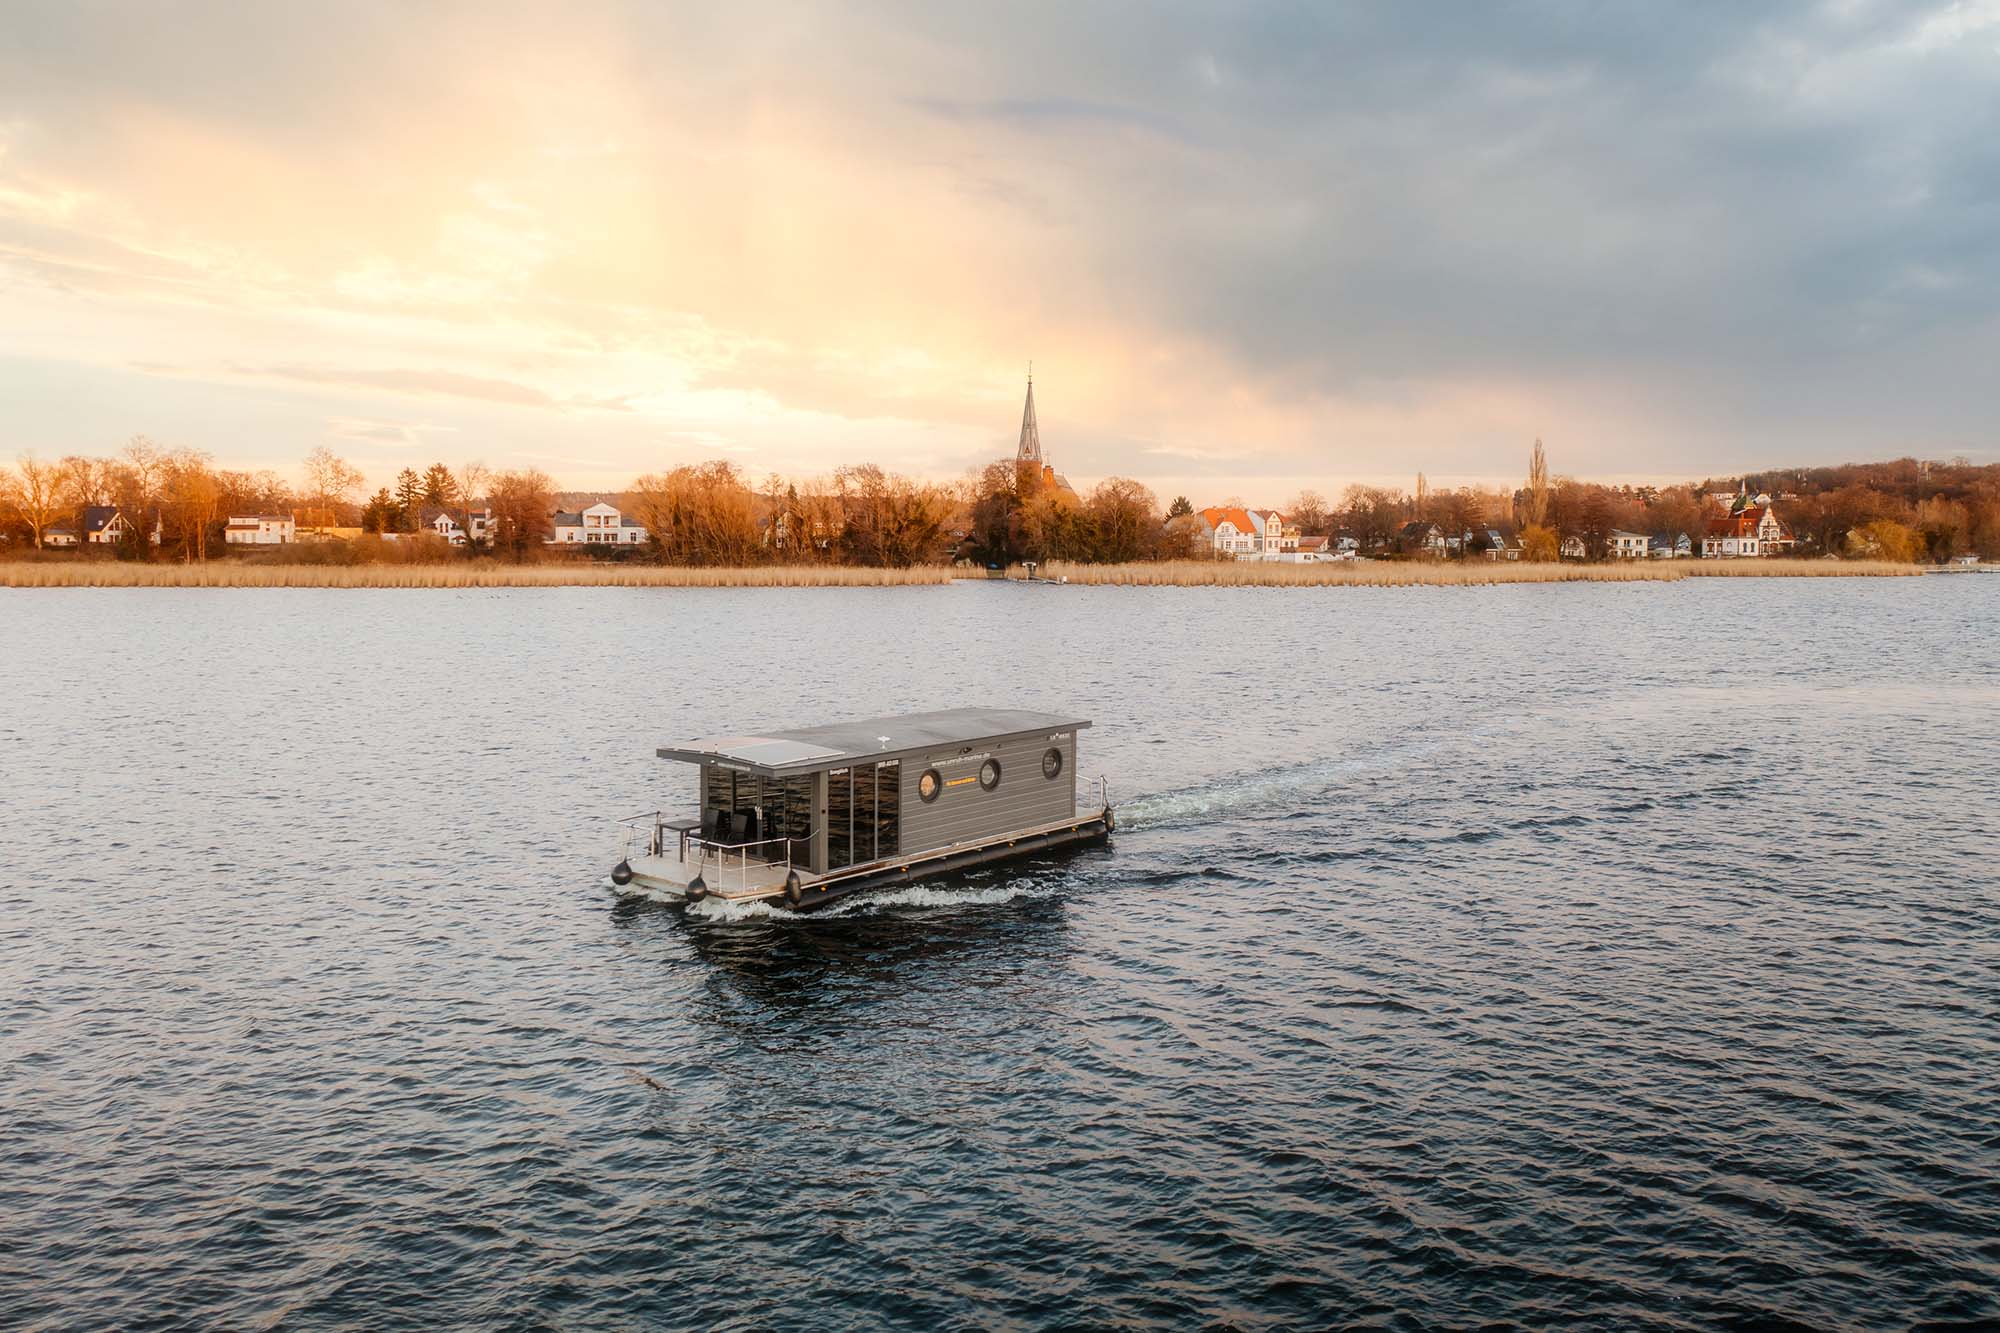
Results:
1309 513
1538 487
194 497
1126 517
468 481
80 484
521 503
36 496
330 479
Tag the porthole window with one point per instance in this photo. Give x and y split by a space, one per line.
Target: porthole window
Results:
1052 764
929 785
989 774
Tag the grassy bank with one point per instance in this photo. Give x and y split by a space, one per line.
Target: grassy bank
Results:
1416 573
468 574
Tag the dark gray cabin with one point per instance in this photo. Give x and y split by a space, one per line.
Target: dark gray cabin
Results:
853 793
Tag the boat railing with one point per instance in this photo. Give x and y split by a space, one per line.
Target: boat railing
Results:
654 834
1103 789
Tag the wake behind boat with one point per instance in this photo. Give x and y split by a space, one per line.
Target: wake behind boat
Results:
811 815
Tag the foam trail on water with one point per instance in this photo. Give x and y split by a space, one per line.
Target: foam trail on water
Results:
1266 790
878 900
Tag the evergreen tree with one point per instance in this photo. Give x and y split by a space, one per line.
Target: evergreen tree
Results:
1179 507
409 499
380 512
439 488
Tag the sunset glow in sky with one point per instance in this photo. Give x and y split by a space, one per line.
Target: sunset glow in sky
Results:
1247 248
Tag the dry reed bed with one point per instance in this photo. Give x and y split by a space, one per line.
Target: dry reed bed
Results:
1404 574
223 574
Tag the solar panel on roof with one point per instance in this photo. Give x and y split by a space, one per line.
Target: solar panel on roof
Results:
767 750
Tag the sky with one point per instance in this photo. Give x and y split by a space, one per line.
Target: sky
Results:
1248 248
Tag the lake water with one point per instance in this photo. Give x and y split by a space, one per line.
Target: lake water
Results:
1622 955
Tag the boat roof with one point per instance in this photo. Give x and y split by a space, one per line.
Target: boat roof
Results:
804 749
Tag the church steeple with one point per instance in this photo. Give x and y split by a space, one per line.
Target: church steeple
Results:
1031 434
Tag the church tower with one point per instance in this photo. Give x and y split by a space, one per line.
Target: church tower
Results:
1031 434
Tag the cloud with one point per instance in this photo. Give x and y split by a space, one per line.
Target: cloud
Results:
1275 239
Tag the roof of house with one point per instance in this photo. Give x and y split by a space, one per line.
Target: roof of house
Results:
1312 543
1635 536
804 749
1743 523
1216 515
565 519
1418 527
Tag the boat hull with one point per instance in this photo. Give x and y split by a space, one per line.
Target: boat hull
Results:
1084 833
823 891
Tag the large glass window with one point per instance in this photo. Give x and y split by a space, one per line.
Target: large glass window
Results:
888 807
863 813
839 818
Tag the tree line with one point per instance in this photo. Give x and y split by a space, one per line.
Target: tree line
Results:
176 503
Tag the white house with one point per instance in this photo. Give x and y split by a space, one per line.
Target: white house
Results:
1670 546
1574 549
446 524
1748 532
1274 539
599 525
1623 545
260 530
1422 538
102 525
1232 531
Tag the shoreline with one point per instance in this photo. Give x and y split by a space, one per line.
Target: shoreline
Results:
1415 573
1184 574
232 574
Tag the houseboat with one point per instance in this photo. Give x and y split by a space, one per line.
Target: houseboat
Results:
809 816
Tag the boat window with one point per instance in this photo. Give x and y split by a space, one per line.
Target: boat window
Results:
989 774
888 806
1052 763
929 785
839 818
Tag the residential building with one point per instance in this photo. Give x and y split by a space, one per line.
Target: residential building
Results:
599 525
1623 545
1502 546
1419 537
450 524
102 525
1752 531
1669 546
1232 531
1274 538
1574 549
260 530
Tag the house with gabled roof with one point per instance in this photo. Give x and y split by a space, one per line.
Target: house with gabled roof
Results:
1622 545
1669 546
1231 530
1751 531
1420 537
1502 546
260 530
102 525
599 525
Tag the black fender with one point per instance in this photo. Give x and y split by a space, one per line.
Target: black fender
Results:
622 873
697 889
